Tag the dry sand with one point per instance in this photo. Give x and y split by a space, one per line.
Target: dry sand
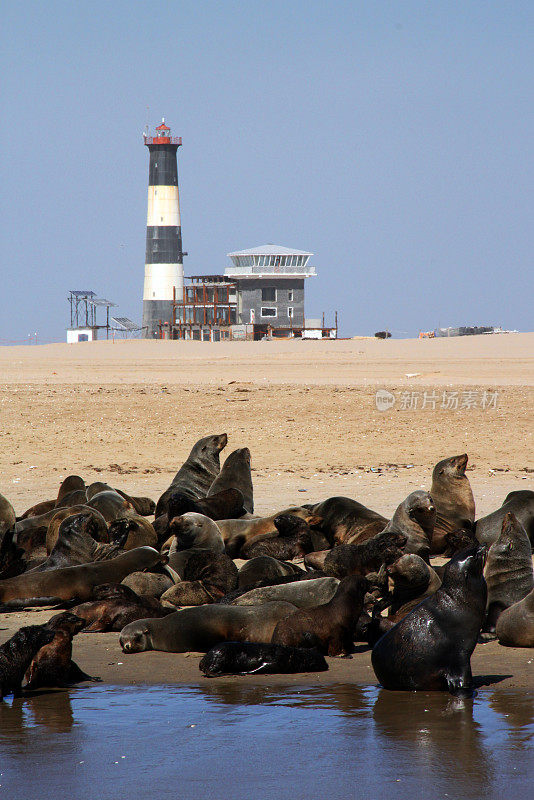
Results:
128 412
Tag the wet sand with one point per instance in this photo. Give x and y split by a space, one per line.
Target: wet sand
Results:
128 413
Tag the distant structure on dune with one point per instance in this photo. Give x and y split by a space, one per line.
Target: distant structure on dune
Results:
164 271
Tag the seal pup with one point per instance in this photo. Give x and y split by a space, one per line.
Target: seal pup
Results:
207 576
349 559
235 474
345 521
415 517
515 625
264 571
52 665
413 581
330 627
115 605
508 571
197 629
294 540
519 503
246 658
238 532
454 501
198 471
16 655
431 647
73 583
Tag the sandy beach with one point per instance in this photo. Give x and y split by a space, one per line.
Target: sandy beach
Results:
128 412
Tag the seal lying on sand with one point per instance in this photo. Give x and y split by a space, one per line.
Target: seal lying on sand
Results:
294 540
16 655
198 629
302 594
73 583
246 658
345 521
115 605
330 627
431 647
207 576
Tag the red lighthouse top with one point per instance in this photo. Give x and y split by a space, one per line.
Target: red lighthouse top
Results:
162 135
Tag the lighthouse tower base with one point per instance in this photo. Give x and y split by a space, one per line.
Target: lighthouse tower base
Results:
154 312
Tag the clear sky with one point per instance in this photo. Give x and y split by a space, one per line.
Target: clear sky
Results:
391 139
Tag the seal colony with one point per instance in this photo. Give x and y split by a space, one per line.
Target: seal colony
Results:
317 578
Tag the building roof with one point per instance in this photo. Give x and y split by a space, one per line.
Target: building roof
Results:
163 127
270 250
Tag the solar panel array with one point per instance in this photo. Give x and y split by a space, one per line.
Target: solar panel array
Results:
125 324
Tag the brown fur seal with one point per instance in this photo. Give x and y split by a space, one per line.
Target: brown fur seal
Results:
197 473
131 532
195 531
16 655
115 605
237 532
263 571
294 540
454 501
99 534
515 626
415 517
148 584
76 543
345 521
413 580
70 583
111 505
349 559
329 627
52 665
39 508
72 483
508 571
207 576
431 647
198 629
246 658
11 562
227 504
302 594
236 474
520 504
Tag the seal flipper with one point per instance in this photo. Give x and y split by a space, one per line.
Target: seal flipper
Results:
461 684
14 605
258 669
76 675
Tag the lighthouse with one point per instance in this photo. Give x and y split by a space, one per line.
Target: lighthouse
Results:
164 271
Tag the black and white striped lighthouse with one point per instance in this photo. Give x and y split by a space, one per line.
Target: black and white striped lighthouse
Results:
164 271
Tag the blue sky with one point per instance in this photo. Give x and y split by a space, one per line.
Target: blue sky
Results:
391 139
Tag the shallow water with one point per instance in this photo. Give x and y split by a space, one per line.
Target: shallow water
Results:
233 741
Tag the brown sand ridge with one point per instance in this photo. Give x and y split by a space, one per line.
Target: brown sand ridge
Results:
128 412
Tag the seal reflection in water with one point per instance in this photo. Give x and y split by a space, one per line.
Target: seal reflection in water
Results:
245 658
431 648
